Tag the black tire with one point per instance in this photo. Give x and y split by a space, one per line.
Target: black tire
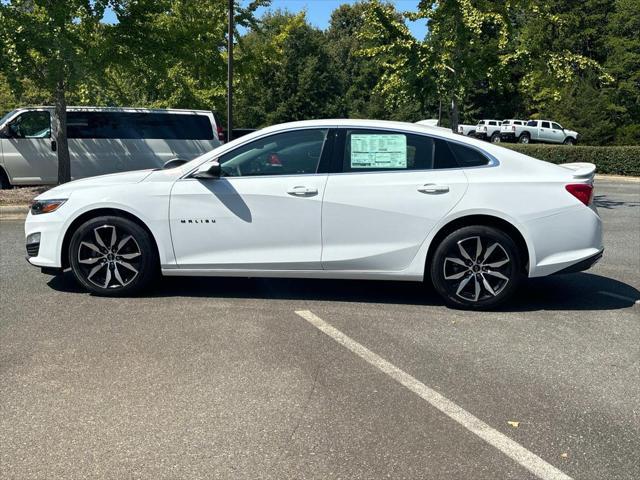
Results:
472 134
4 180
495 138
569 141
481 290
113 256
524 138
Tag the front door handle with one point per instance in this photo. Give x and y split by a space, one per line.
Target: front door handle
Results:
302 191
433 188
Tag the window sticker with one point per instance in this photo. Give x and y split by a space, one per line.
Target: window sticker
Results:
378 151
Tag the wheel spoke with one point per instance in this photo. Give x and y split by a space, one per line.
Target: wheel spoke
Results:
127 265
95 270
463 284
477 287
90 261
487 285
455 260
463 252
478 248
497 264
99 239
113 237
456 276
107 278
91 246
489 251
129 256
496 274
116 272
123 242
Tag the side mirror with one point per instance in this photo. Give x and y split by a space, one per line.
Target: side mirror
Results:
173 163
208 171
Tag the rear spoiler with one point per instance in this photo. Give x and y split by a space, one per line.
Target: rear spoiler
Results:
581 170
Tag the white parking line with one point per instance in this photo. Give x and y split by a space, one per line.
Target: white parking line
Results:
620 297
509 447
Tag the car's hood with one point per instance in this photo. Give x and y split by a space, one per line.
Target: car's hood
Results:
93 182
570 132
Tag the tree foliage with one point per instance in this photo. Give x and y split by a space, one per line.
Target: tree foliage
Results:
577 62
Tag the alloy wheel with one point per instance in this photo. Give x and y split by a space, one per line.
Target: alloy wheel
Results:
477 269
109 257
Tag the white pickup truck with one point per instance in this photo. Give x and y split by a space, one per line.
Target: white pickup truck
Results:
539 131
488 130
468 130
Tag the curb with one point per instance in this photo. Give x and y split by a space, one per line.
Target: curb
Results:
13 212
618 178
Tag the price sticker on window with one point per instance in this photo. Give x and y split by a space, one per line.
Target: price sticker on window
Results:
378 151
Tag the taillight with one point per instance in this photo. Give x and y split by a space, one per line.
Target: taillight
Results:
513 129
582 191
220 133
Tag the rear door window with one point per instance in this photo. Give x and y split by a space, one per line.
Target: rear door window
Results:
139 125
545 125
532 123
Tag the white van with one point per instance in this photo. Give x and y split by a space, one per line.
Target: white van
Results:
101 140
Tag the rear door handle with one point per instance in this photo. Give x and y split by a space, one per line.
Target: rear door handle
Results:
433 188
302 191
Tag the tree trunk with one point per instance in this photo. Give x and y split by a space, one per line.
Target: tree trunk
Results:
60 134
454 115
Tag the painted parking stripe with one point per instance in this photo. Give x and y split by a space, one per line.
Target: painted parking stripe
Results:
509 447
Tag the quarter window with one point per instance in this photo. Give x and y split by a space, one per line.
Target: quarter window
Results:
31 125
288 153
468 157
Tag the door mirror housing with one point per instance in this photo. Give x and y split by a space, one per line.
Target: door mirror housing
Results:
208 170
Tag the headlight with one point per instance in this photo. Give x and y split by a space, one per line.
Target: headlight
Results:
45 206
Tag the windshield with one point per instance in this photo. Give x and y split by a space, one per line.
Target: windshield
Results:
6 117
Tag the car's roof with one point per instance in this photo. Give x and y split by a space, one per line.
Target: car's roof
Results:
363 123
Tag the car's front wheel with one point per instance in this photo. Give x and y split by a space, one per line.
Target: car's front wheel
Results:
476 267
112 256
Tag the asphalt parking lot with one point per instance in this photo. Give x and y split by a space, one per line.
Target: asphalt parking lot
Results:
221 378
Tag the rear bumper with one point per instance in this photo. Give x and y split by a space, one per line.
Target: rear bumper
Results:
507 137
582 265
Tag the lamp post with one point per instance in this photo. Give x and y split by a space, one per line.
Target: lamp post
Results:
230 74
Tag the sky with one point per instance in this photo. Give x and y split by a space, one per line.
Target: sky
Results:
319 12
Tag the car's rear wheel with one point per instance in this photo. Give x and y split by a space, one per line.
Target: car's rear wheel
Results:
476 267
113 256
495 138
524 138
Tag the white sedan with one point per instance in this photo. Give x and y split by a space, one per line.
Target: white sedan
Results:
348 199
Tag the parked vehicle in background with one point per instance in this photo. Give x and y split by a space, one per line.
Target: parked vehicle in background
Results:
539 131
508 128
488 130
336 199
468 130
101 140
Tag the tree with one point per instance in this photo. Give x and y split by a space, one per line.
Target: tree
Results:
284 72
50 43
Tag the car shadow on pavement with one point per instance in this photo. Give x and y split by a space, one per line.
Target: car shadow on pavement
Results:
579 291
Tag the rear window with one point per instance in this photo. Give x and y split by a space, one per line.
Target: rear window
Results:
134 125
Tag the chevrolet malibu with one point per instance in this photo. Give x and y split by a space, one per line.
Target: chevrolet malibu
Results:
335 199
